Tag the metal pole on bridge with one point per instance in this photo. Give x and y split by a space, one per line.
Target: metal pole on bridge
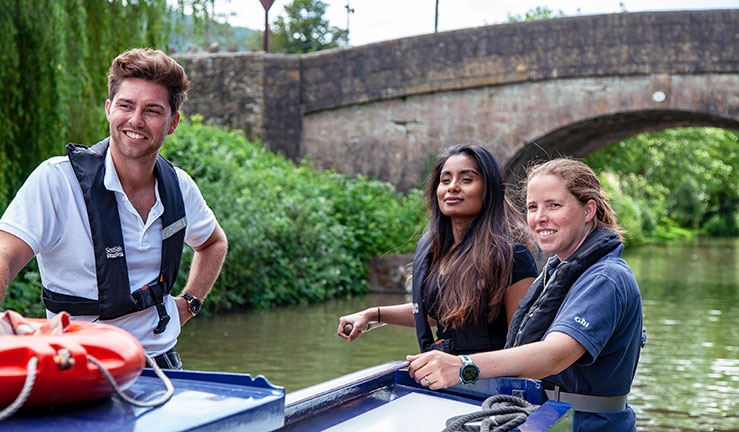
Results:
436 18
266 4
349 11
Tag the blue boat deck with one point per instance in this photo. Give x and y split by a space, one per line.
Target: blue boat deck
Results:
381 398
201 401
385 398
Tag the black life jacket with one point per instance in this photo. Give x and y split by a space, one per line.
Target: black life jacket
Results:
114 296
421 265
537 309
470 338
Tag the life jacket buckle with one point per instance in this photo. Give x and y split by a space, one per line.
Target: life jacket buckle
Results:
163 318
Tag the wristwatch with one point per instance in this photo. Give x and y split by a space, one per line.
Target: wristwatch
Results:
469 372
193 302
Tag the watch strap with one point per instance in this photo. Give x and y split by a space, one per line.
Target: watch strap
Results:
190 299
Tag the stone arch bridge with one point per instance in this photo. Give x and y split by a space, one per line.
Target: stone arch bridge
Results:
565 86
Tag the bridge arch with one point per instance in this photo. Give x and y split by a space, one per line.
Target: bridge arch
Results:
582 138
568 86
520 122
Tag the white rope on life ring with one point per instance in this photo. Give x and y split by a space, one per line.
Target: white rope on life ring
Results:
25 391
31 379
167 383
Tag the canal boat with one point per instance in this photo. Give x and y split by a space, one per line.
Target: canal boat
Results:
381 398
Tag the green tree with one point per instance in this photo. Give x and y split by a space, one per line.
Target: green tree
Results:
538 13
304 29
54 58
10 98
37 70
678 177
196 23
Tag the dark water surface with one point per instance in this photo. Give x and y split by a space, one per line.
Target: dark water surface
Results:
688 374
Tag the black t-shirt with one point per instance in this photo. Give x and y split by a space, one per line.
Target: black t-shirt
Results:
523 267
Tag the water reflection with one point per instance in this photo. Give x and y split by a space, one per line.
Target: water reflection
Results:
293 347
688 375
687 379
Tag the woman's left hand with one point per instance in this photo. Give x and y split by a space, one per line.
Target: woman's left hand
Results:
434 369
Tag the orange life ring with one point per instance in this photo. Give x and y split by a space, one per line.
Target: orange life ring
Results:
68 376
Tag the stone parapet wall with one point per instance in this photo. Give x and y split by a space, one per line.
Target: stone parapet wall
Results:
283 114
227 89
684 42
557 86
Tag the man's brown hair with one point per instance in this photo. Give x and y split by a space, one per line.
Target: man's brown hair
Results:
151 65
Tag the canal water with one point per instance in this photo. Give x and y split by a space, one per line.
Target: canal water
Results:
688 374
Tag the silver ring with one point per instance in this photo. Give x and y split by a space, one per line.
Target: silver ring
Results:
426 378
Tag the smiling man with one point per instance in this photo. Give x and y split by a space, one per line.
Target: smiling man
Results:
108 222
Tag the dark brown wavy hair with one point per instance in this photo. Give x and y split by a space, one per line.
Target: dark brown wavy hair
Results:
151 65
482 263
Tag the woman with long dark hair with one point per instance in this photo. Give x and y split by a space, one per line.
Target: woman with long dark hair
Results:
579 327
472 265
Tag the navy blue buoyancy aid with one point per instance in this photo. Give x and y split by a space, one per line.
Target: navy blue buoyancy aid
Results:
114 296
470 338
538 308
421 265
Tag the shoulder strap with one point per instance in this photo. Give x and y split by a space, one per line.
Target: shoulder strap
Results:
536 311
174 221
88 163
421 264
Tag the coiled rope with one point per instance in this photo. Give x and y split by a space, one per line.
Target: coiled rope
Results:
63 362
500 413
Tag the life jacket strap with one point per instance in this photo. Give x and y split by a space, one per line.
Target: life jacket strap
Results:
57 302
588 403
149 295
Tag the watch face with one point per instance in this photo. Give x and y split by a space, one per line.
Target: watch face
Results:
195 305
470 373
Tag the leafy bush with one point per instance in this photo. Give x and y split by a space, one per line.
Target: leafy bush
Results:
24 294
682 180
628 213
296 234
720 225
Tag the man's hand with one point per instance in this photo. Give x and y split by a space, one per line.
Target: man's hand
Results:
183 309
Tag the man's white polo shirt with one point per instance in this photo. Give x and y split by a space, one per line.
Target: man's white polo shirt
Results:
49 214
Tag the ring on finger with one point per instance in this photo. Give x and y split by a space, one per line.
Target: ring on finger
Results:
426 378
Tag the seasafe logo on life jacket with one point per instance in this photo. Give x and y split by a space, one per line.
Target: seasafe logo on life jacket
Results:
114 252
